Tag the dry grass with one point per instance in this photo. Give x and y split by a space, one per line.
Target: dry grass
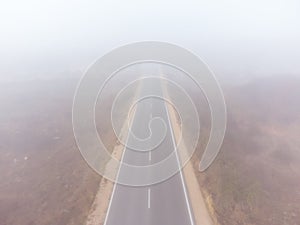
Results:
44 179
256 177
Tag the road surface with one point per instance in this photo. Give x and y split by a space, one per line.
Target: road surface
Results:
165 203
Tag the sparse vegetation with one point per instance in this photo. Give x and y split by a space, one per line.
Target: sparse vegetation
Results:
44 179
255 179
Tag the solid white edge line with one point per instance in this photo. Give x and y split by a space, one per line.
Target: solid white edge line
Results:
181 176
115 183
149 198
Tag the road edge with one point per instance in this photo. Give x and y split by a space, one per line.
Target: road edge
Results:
100 205
198 204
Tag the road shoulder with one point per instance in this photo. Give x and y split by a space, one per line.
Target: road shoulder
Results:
201 213
100 206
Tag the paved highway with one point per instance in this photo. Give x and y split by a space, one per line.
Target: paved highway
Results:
165 203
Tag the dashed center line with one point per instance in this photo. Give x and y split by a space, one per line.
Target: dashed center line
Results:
149 198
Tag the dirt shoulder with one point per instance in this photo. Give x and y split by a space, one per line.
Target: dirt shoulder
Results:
198 204
101 202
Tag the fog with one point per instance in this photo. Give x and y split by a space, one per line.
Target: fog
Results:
238 39
255 178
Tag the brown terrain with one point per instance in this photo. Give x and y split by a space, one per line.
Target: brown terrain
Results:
255 179
44 179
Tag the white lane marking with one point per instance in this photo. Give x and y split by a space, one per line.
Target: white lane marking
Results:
180 171
150 119
149 198
115 184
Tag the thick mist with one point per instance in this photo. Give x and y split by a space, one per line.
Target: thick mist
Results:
238 40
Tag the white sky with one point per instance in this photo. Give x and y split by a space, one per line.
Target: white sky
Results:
237 38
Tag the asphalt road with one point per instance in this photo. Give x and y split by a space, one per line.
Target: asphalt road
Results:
159 204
